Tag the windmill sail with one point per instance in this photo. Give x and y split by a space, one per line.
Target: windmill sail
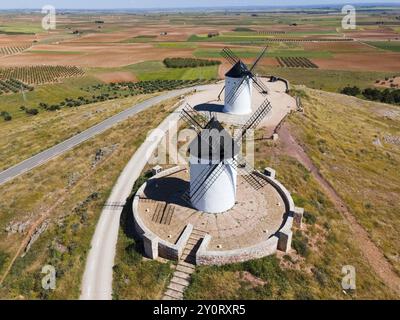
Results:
247 73
255 119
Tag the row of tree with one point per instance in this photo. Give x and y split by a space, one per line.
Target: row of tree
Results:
119 90
386 96
189 62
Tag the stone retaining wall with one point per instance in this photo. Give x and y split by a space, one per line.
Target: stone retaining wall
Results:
154 246
282 240
262 249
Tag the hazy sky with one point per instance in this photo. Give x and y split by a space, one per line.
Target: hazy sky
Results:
115 4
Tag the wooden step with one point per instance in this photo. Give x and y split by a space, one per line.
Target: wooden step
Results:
189 251
189 259
198 233
184 269
173 294
176 287
190 246
182 275
185 264
186 255
180 281
192 241
168 297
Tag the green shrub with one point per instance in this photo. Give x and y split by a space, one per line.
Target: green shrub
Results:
300 244
298 200
351 91
32 112
6 116
309 218
3 259
243 29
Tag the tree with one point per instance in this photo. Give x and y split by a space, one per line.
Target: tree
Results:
32 112
351 91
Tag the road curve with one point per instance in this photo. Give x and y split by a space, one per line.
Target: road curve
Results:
68 144
97 278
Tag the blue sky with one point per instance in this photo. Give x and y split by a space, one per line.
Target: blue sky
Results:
115 4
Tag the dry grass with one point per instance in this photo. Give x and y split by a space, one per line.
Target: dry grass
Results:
86 188
314 272
23 137
338 134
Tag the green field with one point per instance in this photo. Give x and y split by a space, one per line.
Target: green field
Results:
19 28
156 70
254 52
140 39
175 45
49 93
386 45
329 80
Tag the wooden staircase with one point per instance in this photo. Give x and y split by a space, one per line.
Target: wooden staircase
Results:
186 266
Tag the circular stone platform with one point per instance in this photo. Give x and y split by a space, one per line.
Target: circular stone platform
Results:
251 229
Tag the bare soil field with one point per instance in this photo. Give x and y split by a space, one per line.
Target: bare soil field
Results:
8 40
390 83
338 47
103 55
173 33
381 33
363 62
118 76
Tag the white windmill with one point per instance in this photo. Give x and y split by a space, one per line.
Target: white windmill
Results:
215 160
239 82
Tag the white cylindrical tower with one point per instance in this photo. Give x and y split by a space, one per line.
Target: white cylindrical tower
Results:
217 195
213 174
240 104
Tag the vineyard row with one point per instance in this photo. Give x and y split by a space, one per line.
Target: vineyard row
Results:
40 74
296 62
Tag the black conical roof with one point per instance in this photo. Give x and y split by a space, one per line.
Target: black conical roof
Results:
222 145
239 70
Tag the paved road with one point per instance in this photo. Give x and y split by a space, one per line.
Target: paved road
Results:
66 145
97 278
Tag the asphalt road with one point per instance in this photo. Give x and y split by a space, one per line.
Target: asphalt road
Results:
68 144
97 278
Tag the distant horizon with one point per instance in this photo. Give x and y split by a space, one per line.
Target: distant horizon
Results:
183 5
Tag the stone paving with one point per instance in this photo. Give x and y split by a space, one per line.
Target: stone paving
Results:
256 216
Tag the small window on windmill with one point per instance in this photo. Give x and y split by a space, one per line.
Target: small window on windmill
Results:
156 170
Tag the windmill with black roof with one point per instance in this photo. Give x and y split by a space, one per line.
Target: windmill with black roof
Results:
239 83
215 161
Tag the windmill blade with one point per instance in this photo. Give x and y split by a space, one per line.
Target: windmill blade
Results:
254 120
253 180
219 95
196 183
260 87
258 59
230 56
193 118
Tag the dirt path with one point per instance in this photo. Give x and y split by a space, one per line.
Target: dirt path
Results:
371 252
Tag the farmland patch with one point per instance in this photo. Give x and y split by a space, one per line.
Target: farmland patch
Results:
296 62
40 74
